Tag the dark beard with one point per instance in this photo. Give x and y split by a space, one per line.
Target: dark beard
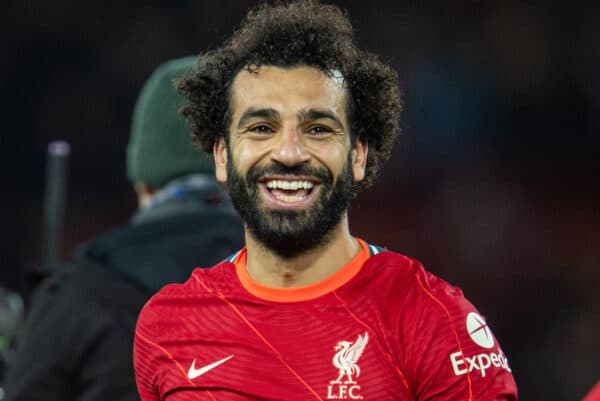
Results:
288 232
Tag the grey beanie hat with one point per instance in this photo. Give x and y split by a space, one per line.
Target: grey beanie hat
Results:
160 147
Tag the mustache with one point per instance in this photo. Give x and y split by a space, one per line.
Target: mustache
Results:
256 173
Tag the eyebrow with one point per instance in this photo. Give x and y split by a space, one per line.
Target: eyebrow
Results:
269 114
272 114
316 114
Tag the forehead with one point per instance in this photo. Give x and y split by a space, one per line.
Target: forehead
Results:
300 87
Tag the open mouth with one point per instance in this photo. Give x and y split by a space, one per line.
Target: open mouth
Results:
288 192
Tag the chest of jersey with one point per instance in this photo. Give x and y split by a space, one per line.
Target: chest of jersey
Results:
239 350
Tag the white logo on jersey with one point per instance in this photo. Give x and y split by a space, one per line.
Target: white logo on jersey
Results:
481 335
463 364
194 373
479 331
345 359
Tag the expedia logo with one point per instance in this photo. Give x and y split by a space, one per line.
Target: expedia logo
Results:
481 362
481 335
479 331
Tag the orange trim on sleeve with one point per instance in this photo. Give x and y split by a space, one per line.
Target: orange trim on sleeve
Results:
298 294
452 327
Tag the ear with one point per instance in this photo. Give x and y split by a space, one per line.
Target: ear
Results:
360 151
220 156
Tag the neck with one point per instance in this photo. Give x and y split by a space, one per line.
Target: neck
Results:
271 269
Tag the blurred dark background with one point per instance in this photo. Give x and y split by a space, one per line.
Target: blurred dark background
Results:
493 184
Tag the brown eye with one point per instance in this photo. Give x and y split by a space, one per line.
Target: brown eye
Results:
261 129
318 129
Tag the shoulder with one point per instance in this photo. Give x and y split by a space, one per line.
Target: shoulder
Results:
203 284
71 281
407 292
407 277
74 312
418 295
93 285
165 319
422 307
437 326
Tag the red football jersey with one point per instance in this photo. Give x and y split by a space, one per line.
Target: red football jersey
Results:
381 328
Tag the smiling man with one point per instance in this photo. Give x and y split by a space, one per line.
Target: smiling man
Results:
291 167
298 119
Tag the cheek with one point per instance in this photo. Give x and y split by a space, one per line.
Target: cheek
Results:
331 157
246 154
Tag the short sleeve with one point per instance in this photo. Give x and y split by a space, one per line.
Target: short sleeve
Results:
455 355
146 355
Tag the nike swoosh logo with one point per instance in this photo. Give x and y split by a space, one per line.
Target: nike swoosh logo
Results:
194 373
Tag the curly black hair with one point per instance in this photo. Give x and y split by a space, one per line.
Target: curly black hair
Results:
303 32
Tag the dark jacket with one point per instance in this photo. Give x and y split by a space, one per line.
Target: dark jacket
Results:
77 340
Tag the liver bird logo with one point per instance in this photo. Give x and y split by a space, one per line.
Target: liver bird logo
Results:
347 356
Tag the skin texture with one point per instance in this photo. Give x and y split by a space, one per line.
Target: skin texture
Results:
292 117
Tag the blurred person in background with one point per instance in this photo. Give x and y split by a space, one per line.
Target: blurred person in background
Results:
77 340
298 119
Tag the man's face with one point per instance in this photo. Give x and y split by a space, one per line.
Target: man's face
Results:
289 165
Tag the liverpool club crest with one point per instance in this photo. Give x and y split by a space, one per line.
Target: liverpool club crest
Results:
346 361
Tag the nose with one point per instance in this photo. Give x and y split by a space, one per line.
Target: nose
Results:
289 149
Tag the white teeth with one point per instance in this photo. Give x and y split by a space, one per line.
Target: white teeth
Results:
289 199
289 185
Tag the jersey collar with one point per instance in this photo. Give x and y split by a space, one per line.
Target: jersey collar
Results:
298 294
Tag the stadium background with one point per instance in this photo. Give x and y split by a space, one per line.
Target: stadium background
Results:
493 184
